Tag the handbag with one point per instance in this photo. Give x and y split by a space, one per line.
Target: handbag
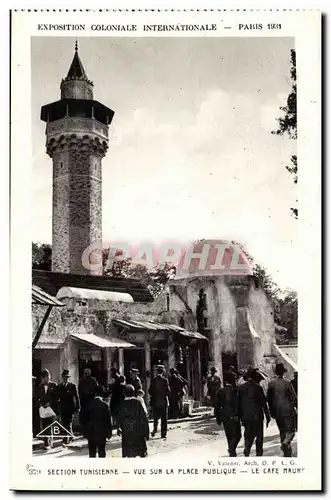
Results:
46 412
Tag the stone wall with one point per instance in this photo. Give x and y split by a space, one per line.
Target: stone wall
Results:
77 194
239 317
76 89
96 317
262 316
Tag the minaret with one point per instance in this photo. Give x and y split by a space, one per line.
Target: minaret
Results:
77 140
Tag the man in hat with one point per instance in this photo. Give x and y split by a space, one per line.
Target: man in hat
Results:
134 380
252 406
226 408
68 403
46 395
283 407
159 391
213 385
86 390
177 385
98 426
241 378
116 394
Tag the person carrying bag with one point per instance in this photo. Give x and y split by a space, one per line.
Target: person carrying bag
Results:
46 395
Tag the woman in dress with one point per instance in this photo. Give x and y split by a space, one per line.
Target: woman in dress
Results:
133 426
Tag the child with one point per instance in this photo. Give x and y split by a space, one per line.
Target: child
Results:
140 397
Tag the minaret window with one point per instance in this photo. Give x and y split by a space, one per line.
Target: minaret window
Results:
168 301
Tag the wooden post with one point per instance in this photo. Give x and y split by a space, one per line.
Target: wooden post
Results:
196 370
70 359
148 365
107 362
188 372
121 361
171 352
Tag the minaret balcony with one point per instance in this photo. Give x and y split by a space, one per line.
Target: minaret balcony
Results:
78 126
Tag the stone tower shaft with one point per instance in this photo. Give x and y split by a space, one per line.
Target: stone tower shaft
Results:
76 140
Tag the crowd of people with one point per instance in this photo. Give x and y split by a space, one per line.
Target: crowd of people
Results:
126 411
243 402
121 407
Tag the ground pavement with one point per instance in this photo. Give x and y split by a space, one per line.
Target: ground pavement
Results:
183 439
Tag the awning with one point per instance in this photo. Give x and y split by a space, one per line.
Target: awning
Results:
49 345
69 292
153 326
43 298
97 341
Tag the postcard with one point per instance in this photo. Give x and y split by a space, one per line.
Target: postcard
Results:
165 250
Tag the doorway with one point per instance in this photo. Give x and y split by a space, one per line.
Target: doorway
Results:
94 360
229 360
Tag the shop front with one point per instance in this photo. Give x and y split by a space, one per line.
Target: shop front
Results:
97 353
161 343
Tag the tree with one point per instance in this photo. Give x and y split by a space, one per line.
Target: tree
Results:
284 302
288 314
42 256
154 279
287 124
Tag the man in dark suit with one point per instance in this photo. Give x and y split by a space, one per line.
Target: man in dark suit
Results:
283 408
226 409
98 424
213 384
252 406
177 385
159 392
68 403
46 396
116 394
135 381
86 391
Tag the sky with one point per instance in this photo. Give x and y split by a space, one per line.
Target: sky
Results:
191 154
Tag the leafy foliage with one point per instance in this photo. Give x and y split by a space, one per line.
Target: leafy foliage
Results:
284 302
287 124
42 256
154 279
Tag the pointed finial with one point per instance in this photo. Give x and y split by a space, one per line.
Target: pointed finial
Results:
76 46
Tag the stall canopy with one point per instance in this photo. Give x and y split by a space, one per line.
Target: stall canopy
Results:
140 326
96 341
67 292
51 282
40 297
